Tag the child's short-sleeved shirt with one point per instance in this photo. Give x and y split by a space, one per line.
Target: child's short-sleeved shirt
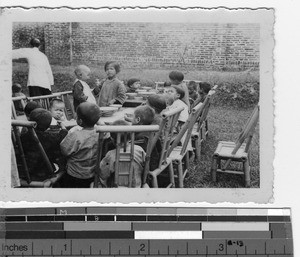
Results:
184 115
107 165
80 148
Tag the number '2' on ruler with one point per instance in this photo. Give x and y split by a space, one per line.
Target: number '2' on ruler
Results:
143 231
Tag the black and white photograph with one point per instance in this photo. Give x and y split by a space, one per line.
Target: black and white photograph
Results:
109 101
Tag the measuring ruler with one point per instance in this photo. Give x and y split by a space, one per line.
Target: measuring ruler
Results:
141 231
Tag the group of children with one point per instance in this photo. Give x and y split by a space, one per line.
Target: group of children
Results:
75 151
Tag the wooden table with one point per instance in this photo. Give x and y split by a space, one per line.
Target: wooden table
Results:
133 102
118 115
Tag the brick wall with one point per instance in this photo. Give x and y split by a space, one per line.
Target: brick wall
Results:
206 46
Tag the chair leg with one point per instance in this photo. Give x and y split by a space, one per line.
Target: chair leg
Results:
154 182
214 166
198 149
171 172
247 173
180 172
187 160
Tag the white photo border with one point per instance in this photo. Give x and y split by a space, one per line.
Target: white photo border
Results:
263 16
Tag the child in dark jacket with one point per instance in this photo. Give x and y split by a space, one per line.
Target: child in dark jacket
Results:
50 141
144 115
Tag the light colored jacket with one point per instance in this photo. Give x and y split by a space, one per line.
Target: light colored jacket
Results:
40 73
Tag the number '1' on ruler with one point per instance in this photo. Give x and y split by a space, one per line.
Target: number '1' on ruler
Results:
143 231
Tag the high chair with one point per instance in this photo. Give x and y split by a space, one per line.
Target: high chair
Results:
25 177
65 96
237 151
123 166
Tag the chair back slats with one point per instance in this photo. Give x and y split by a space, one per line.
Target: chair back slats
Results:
69 107
169 121
18 145
30 126
124 163
45 100
248 131
206 104
186 128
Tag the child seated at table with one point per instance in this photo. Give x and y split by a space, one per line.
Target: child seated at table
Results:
57 110
50 142
19 105
204 88
178 95
176 78
159 104
80 148
132 85
112 90
107 164
81 90
144 115
192 87
166 86
30 106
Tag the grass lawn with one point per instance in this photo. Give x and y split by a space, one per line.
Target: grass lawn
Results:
225 121
224 124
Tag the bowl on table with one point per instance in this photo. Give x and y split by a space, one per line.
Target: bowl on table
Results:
107 111
138 98
146 94
146 88
140 91
119 106
131 95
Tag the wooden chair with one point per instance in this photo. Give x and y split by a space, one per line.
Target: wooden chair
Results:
236 151
179 153
166 134
45 100
123 175
67 98
22 99
25 178
200 129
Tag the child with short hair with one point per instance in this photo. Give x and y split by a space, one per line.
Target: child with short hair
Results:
159 104
81 90
30 106
192 87
57 110
80 148
50 142
176 78
144 115
19 105
107 164
133 84
112 90
178 95
204 88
